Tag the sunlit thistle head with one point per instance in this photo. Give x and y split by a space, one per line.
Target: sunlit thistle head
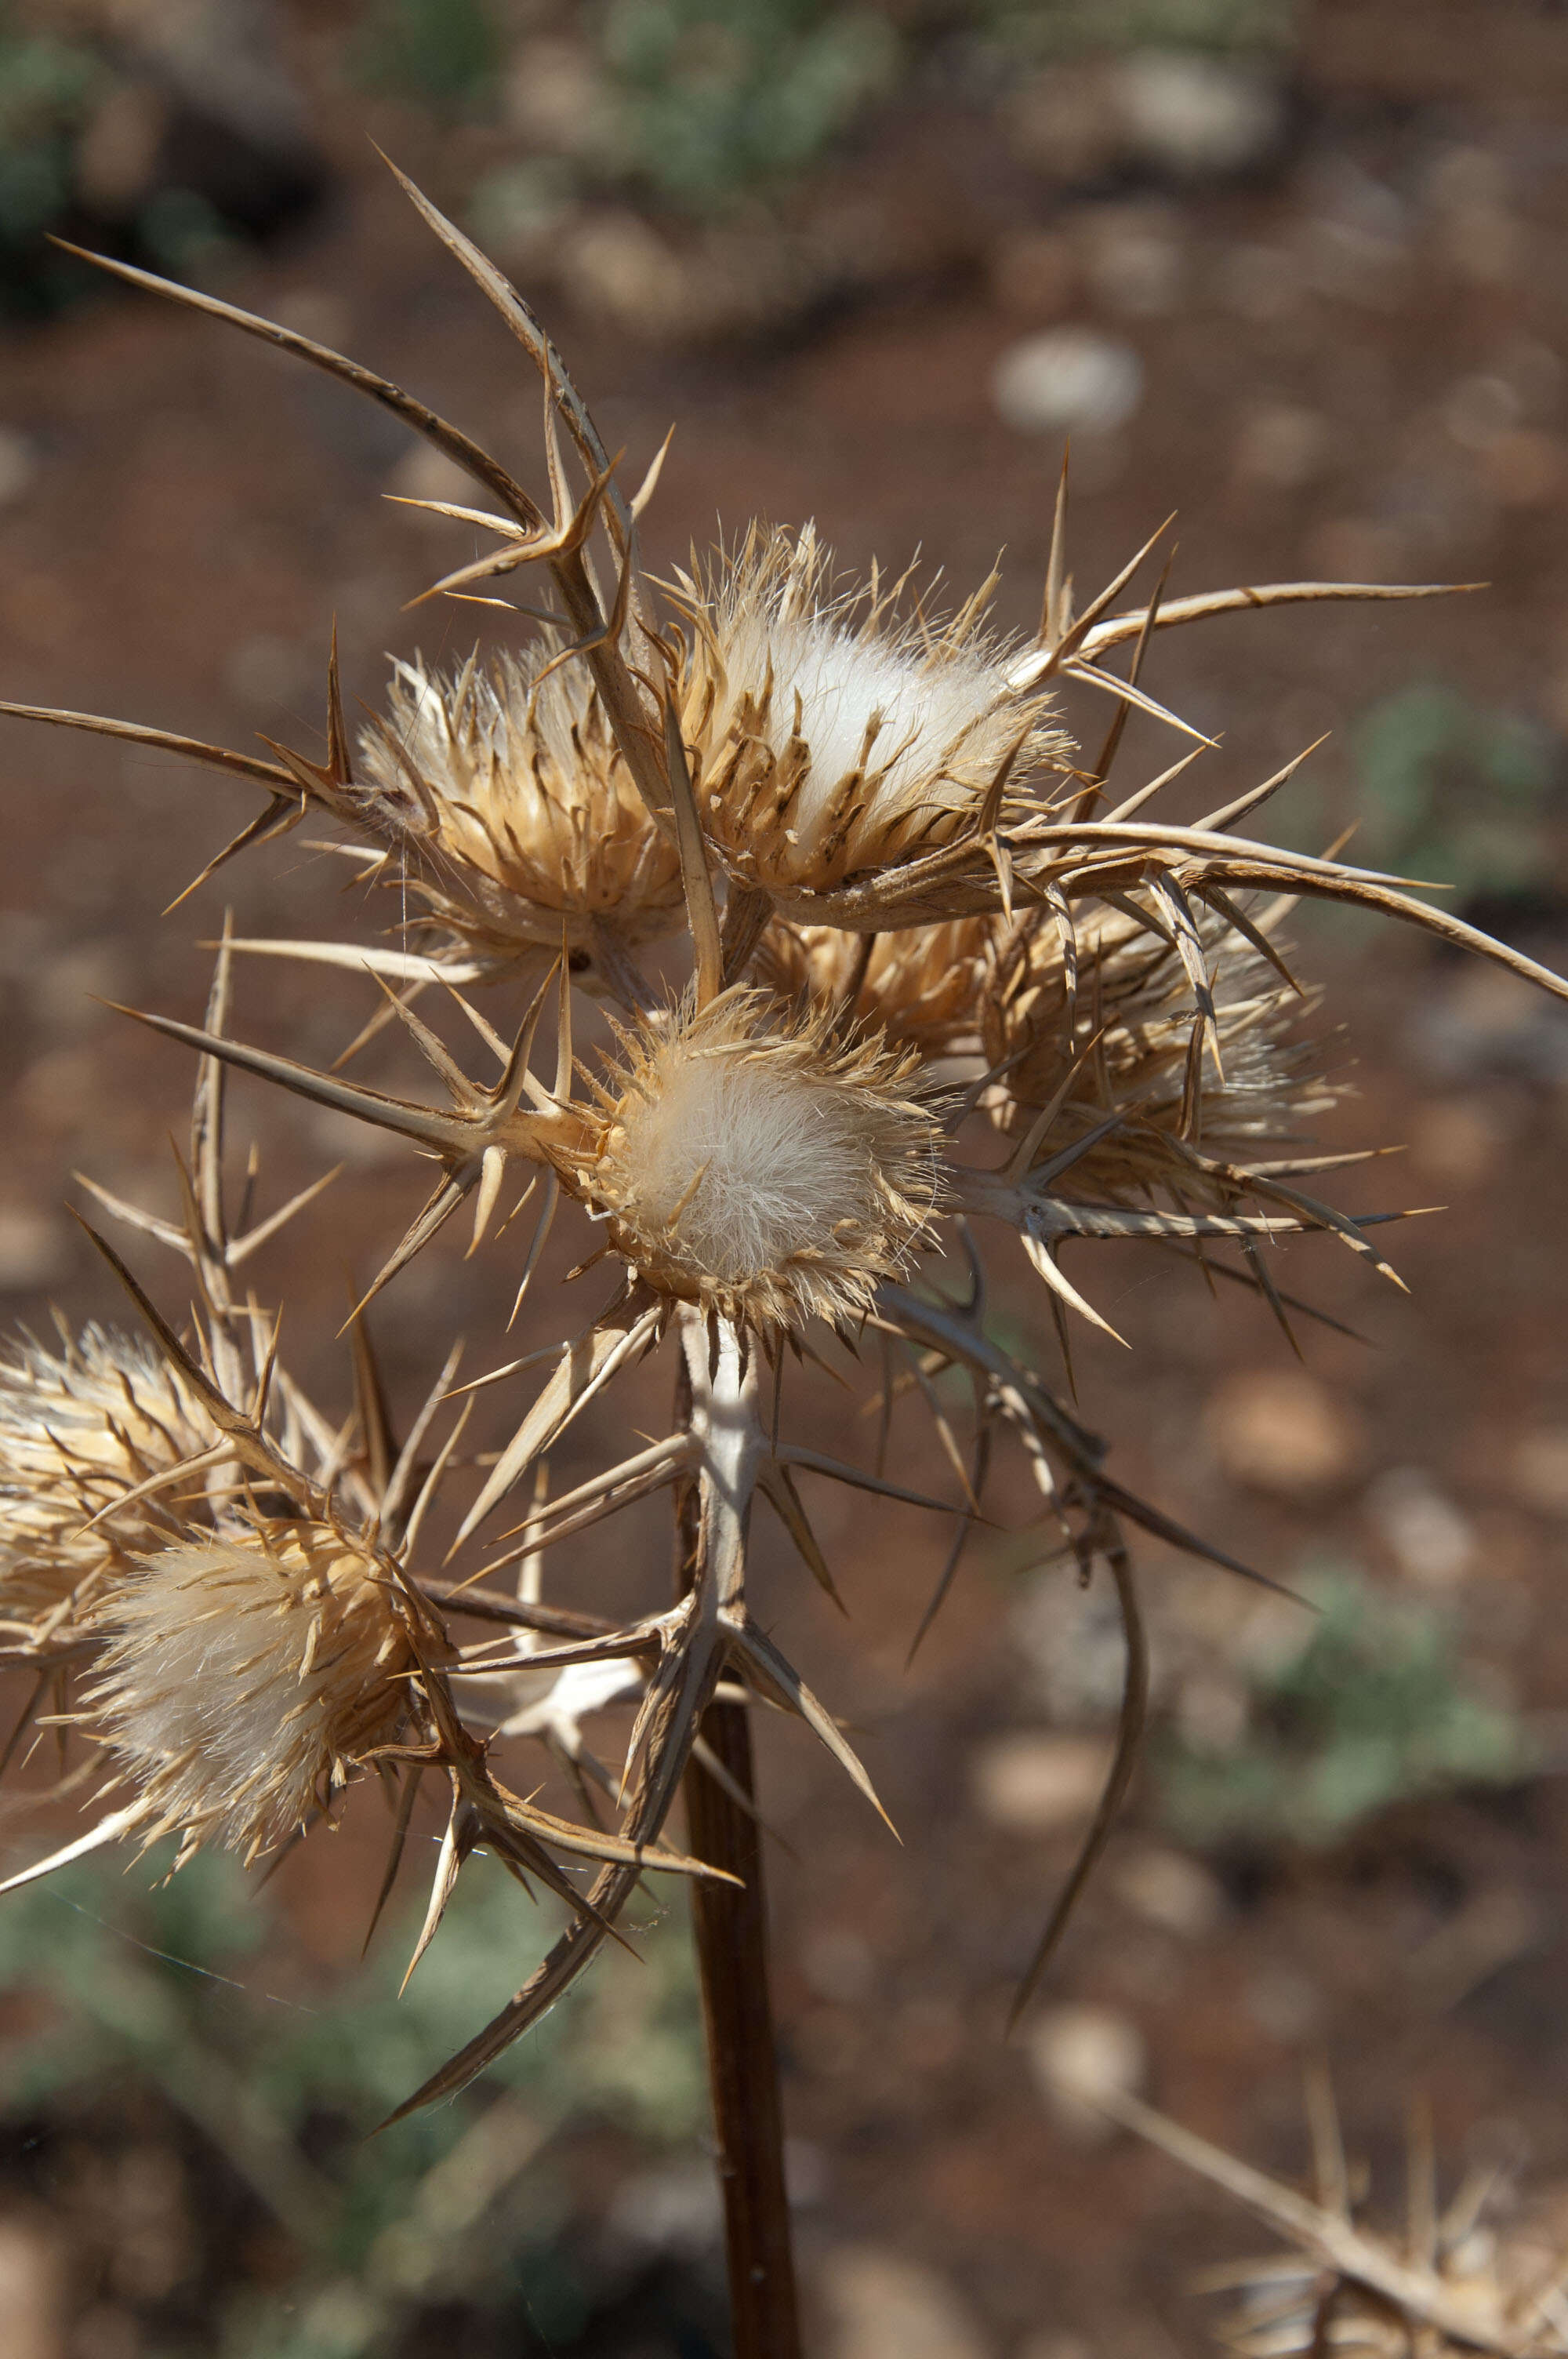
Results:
1123 1035
245 1679
763 1166
79 1430
832 734
506 780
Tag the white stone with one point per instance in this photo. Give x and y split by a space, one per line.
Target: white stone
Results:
1198 117
882 2306
1031 1783
1424 1532
1168 1889
1067 381
1081 2056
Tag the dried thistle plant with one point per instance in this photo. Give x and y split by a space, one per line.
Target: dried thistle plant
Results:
1475 2275
913 919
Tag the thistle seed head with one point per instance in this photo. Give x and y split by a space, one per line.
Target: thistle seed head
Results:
831 735
763 1166
245 1677
79 1429
507 782
920 987
1132 990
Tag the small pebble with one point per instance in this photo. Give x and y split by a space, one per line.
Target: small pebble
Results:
1067 381
1172 1891
35 1249
1281 446
1198 117
1034 1784
884 2306
1280 1431
1081 2055
1538 1464
1424 1532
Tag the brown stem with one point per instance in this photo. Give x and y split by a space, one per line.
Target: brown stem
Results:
730 1929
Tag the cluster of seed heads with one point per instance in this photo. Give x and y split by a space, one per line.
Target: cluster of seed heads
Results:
874 959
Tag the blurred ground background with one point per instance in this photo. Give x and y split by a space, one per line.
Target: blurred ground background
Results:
1302 274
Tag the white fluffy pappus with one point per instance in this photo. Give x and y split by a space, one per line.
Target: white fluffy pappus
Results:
765 1167
832 734
243 1679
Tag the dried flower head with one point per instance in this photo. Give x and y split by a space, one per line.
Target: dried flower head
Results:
763 1166
1116 1032
920 987
833 734
505 781
80 1429
245 1677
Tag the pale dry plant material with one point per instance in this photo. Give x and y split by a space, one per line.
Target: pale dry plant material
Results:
831 733
504 783
940 975
81 1429
243 1679
767 1170
1475 2275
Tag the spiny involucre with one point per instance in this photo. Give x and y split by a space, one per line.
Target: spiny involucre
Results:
857 916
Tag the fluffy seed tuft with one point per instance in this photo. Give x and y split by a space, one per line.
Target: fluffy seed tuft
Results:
245 1678
832 734
767 1168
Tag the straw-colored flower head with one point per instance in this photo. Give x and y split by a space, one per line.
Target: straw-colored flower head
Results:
507 782
1134 993
763 1165
831 733
79 1429
921 987
244 1678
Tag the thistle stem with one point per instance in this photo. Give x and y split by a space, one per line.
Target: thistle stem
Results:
731 1933
716 1398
